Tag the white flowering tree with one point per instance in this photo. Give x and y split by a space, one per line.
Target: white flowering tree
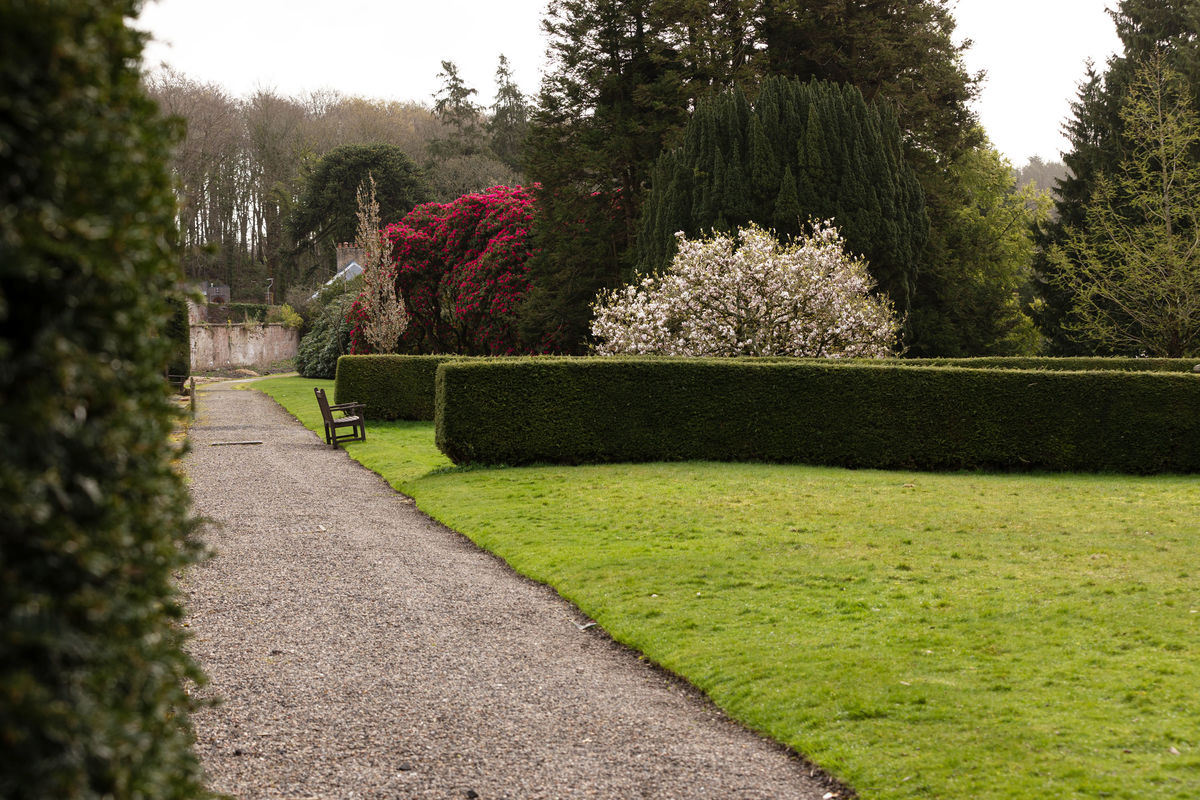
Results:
751 297
384 318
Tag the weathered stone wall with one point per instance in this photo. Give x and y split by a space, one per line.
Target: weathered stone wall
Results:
234 346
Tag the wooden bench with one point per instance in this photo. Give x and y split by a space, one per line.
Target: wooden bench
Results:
354 421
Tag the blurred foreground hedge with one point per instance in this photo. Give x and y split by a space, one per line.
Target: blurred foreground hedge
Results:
95 520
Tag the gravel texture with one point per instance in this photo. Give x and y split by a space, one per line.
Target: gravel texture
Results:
361 650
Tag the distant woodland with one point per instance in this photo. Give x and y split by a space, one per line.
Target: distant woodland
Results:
242 163
706 116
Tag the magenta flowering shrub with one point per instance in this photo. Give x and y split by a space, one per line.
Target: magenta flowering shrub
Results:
461 268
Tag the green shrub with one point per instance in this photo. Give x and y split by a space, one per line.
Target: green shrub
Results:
179 334
391 386
94 520
845 414
326 341
286 316
238 312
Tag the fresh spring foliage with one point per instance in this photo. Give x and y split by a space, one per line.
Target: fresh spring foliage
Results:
461 268
1133 267
919 635
383 317
752 297
94 519
802 151
1096 135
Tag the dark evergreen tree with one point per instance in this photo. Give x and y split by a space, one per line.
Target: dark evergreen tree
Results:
326 211
461 116
509 123
1095 133
608 103
902 51
626 72
830 156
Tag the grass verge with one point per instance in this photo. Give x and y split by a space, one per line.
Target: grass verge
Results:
918 635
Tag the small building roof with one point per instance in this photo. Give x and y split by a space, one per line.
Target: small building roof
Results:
348 272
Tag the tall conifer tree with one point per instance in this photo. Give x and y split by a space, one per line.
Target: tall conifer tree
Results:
1095 131
607 105
839 158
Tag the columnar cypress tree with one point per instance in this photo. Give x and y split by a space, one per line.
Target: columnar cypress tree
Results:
836 157
93 517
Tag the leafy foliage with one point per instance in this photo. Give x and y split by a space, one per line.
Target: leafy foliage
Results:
974 289
179 334
328 339
1133 269
325 213
1095 132
757 298
462 270
95 519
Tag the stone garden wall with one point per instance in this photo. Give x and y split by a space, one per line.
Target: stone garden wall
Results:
234 346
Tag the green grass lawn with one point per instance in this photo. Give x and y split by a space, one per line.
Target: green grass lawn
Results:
957 635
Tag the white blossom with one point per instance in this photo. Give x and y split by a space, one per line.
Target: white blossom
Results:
752 297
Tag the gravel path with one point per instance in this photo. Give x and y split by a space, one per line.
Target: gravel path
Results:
361 650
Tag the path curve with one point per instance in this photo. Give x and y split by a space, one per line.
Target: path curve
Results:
361 650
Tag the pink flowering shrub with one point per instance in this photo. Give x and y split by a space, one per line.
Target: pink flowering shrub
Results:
461 268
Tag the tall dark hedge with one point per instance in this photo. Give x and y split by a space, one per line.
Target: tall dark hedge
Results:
803 150
390 386
93 519
861 414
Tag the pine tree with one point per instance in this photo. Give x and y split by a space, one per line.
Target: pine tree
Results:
625 74
1133 268
509 123
459 114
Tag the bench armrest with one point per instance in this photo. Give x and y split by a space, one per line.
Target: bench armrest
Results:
347 406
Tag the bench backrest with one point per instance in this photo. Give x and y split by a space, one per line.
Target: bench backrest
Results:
323 403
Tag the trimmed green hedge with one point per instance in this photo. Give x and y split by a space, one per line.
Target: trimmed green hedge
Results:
1086 363
391 386
843 414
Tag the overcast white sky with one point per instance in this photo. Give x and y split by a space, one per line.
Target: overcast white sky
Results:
1032 50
